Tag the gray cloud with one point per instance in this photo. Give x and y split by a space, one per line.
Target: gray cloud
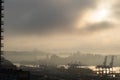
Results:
91 28
99 26
40 17
43 16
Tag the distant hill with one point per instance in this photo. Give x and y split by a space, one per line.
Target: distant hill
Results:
92 59
48 58
16 56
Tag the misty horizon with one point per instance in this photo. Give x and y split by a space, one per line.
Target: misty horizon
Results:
69 52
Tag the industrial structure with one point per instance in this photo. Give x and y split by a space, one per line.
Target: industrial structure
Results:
106 71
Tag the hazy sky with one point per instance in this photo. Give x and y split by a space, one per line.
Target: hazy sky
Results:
63 25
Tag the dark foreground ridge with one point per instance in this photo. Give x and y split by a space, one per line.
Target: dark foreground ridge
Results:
8 71
12 74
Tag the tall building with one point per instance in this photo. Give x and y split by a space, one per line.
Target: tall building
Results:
1 34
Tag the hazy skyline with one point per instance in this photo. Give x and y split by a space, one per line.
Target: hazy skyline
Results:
63 25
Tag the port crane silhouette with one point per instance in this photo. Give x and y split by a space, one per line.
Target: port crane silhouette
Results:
104 69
